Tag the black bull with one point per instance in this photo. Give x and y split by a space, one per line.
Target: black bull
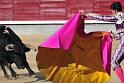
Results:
12 50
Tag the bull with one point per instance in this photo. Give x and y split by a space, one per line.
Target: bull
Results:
12 50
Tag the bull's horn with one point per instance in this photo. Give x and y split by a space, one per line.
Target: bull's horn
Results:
9 47
31 47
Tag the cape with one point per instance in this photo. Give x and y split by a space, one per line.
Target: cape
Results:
72 56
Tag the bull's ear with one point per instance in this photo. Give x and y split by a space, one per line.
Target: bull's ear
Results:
9 47
30 47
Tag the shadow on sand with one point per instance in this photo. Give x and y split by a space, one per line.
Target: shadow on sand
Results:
39 77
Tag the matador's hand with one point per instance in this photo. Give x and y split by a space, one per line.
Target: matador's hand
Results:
82 12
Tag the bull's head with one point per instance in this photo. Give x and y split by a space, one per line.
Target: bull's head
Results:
17 54
10 47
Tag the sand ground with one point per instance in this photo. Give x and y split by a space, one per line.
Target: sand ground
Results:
35 40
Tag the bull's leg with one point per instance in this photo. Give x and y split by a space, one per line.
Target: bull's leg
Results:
4 71
13 73
32 74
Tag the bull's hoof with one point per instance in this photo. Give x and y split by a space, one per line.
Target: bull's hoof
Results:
7 78
33 75
15 77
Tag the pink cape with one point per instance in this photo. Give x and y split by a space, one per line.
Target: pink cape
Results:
71 40
64 36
